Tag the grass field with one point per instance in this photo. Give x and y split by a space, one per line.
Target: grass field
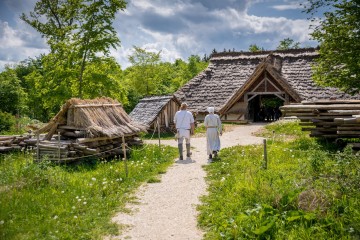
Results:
308 191
46 201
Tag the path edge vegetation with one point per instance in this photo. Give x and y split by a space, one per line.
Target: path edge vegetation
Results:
47 201
310 189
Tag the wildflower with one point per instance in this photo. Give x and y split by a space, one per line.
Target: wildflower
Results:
79 200
77 197
56 217
2 222
222 179
104 183
84 203
75 216
94 179
62 191
111 167
73 207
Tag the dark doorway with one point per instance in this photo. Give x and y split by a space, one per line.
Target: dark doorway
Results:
265 108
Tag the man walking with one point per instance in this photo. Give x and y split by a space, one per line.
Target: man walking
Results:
184 122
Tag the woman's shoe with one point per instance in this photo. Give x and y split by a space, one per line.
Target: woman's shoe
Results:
215 153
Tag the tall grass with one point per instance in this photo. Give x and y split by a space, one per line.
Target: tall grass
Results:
46 201
307 191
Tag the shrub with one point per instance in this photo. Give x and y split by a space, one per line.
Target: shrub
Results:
7 122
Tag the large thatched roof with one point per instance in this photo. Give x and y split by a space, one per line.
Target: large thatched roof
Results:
149 108
227 75
101 117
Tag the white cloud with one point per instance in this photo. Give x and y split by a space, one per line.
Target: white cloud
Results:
288 7
9 37
178 29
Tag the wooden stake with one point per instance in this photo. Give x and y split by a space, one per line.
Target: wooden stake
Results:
158 127
37 147
59 153
265 154
124 152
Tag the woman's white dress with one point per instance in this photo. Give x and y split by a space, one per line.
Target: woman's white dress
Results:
213 124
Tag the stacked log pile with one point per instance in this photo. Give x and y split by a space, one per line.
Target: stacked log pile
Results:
14 143
327 119
63 149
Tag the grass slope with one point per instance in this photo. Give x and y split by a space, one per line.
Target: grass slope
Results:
45 201
308 191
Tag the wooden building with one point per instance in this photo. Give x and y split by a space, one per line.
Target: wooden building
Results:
151 109
238 84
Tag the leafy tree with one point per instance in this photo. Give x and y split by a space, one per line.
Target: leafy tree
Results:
12 95
7 122
149 76
77 31
288 43
255 48
339 37
142 74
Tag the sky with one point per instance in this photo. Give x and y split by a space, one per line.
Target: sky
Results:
177 28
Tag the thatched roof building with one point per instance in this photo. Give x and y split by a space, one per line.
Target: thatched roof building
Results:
237 83
101 117
151 109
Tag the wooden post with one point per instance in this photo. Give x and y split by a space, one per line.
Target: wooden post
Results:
59 153
37 147
158 126
265 154
124 152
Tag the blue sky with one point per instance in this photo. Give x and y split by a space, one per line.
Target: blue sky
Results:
177 28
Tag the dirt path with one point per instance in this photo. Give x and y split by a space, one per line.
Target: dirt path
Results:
167 210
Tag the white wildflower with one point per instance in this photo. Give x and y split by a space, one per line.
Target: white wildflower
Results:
56 217
75 216
2 222
94 179
84 203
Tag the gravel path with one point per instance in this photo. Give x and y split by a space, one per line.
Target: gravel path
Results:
167 210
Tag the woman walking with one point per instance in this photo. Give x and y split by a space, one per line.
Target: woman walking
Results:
213 127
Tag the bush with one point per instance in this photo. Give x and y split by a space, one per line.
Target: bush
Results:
7 122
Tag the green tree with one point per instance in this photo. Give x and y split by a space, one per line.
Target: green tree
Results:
77 31
288 43
255 48
338 35
12 96
142 74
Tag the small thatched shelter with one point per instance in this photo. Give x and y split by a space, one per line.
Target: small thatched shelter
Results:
84 128
151 109
101 117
